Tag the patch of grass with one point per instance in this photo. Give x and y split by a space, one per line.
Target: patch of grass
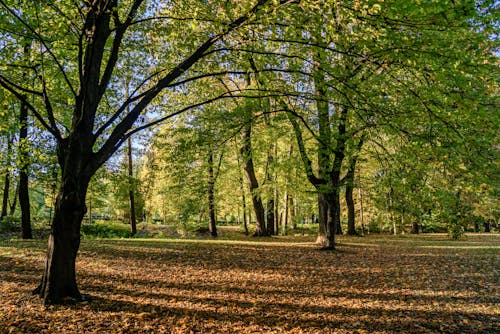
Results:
105 229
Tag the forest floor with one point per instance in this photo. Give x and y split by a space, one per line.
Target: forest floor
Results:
374 284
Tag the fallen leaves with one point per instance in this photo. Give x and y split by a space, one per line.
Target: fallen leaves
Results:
373 285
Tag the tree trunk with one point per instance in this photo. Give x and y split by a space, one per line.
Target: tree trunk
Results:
246 152
326 229
211 205
270 205
133 223
361 212
351 228
14 201
244 205
59 278
24 199
349 189
6 186
336 212
414 228
74 153
270 217
276 213
5 201
285 214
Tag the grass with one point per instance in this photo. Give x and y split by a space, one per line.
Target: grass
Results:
374 284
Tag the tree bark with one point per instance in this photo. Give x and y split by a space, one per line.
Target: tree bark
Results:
243 202
349 189
361 212
6 188
284 221
24 199
326 229
133 222
246 152
75 157
351 228
211 202
13 205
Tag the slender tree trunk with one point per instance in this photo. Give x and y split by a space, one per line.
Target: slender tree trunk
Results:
391 213
133 223
243 197
351 228
284 224
414 228
336 212
270 217
244 205
211 205
24 199
14 201
293 212
6 188
246 152
276 202
270 205
361 212
349 189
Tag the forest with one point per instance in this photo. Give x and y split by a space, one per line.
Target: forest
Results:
255 131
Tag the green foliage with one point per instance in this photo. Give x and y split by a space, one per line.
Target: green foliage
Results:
10 224
105 229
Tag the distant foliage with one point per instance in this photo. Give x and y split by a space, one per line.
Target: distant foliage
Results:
105 230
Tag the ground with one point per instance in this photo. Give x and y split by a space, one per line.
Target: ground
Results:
374 284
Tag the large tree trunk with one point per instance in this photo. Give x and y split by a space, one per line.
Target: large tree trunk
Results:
326 229
211 205
58 283
59 278
24 199
133 223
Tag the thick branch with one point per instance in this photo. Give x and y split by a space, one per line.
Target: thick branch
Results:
117 41
22 98
117 136
303 153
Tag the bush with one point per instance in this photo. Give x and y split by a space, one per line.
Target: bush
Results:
10 224
373 227
105 229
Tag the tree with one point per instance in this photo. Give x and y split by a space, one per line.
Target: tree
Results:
97 33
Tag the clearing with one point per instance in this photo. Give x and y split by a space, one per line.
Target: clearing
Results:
375 284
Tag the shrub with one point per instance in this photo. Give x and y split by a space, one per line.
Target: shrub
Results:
10 224
105 229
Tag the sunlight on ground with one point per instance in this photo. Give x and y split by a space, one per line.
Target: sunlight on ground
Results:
375 284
